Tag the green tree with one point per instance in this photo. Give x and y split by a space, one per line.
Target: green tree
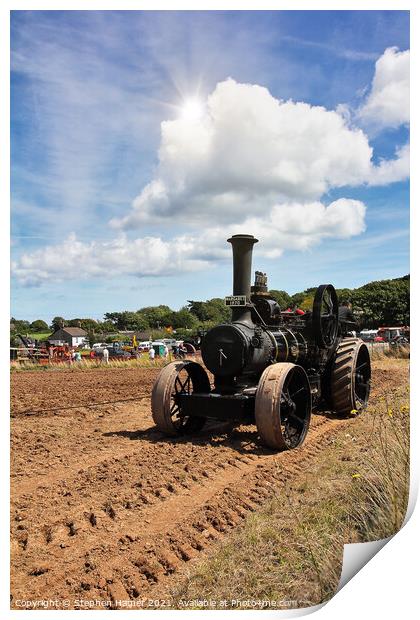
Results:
297 298
127 320
282 298
344 294
183 318
39 326
91 338
384 302
198 309
307 302
86 324
105 326
14 340
19 327
89 324
57 323
133 321
112 318
305 298
156 317
213 310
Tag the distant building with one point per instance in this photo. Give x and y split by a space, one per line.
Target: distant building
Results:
143 335
73 336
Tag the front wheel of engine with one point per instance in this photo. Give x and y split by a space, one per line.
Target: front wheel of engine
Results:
283 405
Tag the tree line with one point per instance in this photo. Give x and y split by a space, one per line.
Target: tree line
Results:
383 302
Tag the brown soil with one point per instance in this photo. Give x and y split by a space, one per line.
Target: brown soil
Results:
105 508
33 392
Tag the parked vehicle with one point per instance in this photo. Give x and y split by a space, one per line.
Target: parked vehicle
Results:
387 334
368 335
115 351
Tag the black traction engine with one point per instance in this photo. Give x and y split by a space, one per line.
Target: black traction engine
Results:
270 367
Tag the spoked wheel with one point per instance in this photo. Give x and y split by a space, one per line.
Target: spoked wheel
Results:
283 406
325 315
350 377
177 378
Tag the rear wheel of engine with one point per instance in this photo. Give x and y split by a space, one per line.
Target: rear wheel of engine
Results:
350 377
177 378
283 406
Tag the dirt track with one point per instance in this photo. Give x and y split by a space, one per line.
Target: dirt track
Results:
105 507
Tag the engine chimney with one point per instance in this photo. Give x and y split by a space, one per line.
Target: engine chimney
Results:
242 262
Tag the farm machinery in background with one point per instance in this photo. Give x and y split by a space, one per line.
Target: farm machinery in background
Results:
40 352
393 335
271 368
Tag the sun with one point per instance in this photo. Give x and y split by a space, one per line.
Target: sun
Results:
192 110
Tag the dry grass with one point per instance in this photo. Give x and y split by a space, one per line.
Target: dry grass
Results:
291 551
399 352
88 364
385 470
394 352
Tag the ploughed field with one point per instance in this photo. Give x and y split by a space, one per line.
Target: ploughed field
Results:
104 507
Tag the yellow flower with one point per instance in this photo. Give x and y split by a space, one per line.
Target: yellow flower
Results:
353 411
390 412
356 475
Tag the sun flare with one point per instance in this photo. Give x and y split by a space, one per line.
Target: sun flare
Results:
192 110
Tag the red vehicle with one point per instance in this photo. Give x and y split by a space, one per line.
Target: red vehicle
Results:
390 334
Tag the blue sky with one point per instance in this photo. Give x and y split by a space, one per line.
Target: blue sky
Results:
112 210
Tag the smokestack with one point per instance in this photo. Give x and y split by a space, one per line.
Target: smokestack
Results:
242 262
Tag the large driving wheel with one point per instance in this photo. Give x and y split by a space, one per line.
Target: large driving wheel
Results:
325 315
283 406
177 378
350 377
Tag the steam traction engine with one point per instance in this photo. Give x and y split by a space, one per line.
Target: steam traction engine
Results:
270 367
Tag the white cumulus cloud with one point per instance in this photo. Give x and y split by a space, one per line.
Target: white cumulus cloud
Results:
388 103
290 226
146 256
249 164
248 152
392 170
